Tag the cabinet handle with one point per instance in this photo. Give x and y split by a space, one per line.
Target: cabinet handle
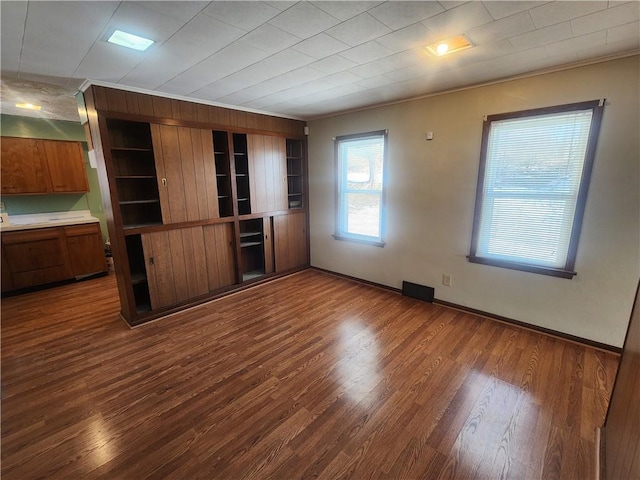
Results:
150 260
164 182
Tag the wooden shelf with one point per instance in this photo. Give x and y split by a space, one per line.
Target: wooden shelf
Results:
141 225
138 278
138 202
249 244
131 149
249 234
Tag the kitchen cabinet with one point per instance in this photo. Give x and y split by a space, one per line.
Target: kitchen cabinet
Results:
86 251
46 255
37 166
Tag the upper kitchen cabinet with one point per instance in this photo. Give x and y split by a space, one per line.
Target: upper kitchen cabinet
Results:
36 166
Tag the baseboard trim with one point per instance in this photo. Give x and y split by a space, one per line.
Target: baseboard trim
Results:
517 323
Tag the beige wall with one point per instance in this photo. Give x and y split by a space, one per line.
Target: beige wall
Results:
431 194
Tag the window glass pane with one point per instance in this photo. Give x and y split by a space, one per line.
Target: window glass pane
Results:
361 166
533 168
363 214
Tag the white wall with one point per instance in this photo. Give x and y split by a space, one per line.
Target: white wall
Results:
431 195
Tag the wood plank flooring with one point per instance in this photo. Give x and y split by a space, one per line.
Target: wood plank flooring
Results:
310 376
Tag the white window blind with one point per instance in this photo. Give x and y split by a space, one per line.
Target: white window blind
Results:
533 169
360 185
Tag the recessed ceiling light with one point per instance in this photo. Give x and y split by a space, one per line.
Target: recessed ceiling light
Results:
130 40
449 46
28 106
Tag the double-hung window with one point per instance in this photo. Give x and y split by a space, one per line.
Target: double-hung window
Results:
360 167
532 187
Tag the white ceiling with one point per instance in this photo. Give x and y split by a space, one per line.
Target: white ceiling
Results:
304 59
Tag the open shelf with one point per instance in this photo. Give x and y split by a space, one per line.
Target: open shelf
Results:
295 174
139 283
134 170
252 259
223 172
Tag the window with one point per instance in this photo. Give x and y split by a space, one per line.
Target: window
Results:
532 187
360 165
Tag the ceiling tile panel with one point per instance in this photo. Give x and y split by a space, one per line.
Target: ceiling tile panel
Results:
136 19
409 37
281 4
449 4
582 42
457 20
625 45
108 62
13 15
414 71
358 30
304 20
345 10
244 15
501 9
333 64
603 19
556 12
398 14
542 36
500 29
367 52
373 69
59 34
225 62
269 39
320 46
630 31
183 10
374 82
194 42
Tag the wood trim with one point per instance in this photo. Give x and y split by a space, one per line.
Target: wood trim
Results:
499 318
600 467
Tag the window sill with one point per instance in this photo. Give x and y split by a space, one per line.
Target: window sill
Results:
554 272
374 243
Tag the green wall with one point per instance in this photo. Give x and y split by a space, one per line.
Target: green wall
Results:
26 127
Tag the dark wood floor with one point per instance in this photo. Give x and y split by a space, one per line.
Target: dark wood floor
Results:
311 376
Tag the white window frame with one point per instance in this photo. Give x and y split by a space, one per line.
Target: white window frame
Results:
341 227
478 253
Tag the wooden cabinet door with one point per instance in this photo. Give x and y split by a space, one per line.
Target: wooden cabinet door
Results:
176 270
267 173
23 166
290 241
36 257
86 252
186 170
7 282
220 255
65 162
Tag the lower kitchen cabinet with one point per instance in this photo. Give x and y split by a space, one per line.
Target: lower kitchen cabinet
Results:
40 256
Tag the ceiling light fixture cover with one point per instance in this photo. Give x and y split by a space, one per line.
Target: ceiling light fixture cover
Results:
449 46
130 40
28 106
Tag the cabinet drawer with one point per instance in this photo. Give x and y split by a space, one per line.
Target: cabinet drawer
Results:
77 230
30 235
39 277
24 257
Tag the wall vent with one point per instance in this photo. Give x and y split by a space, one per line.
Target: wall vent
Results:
421 292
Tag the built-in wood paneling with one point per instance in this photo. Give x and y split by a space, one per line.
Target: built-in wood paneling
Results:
290 241
119 101
186 171
267 173
311 376
220 254
622 428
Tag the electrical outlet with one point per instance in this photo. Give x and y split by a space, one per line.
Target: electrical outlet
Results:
447 280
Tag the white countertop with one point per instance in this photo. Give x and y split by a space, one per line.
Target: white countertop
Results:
46 220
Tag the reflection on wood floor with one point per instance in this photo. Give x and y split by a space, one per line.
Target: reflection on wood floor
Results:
311 376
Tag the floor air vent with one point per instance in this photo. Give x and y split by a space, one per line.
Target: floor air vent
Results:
421 292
